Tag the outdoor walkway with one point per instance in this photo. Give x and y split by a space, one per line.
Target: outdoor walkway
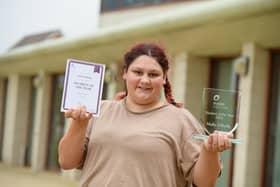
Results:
25 177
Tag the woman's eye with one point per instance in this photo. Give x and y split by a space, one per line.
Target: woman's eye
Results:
137 72
153 75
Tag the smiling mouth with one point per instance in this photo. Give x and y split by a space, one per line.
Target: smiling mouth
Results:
144 89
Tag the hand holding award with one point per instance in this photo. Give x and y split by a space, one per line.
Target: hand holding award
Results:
220 111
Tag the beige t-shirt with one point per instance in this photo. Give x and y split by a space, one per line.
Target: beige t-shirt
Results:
151 149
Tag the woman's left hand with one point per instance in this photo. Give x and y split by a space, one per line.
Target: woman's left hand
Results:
218 141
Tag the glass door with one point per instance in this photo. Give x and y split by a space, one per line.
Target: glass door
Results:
56 128
272 162
29 145
223 77
2 118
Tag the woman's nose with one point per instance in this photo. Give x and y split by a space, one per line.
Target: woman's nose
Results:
145 79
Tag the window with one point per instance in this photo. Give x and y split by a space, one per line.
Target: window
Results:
109 5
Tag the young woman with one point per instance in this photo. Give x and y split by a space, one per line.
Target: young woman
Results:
141 140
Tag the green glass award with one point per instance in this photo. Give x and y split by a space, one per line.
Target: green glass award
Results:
220 111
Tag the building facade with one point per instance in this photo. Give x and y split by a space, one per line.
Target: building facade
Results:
204 41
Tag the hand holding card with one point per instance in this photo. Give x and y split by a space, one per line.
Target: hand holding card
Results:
83 86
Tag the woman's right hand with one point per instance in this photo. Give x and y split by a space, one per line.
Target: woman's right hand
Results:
79 115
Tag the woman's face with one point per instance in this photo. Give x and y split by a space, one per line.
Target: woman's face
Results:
144 80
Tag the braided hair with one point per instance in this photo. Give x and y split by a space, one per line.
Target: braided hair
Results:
156 52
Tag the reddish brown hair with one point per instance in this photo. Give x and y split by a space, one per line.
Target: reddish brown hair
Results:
156 52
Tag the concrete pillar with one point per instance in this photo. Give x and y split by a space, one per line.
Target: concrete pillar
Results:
197 78
112 83
189 76
253 86
41 121
179 77
16 119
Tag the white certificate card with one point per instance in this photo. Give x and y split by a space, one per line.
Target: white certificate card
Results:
83 85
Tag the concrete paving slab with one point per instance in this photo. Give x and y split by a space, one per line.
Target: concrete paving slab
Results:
25 177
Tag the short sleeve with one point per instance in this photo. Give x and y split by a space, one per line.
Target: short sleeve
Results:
190 154
191 147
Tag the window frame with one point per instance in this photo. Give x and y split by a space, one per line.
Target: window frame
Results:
121 8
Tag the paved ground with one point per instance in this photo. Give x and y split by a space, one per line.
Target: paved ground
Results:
25 177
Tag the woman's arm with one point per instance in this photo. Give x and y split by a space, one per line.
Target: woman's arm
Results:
208 166
71 145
